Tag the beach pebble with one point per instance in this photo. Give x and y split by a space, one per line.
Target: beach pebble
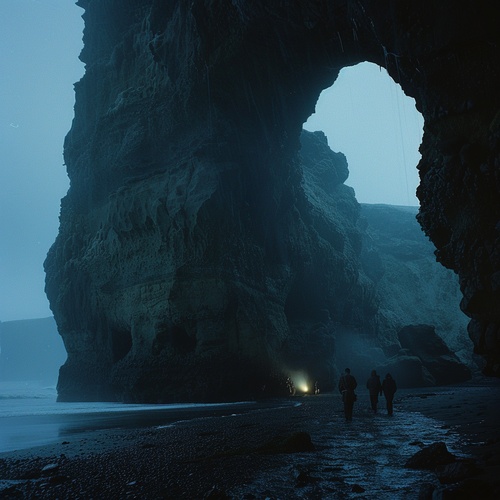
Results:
50 467
356 488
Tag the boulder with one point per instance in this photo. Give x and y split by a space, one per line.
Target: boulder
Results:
431 457
423 342
407 371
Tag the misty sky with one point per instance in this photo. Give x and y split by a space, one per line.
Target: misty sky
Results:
365 115
39 45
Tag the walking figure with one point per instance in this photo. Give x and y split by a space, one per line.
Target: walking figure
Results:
389 388
347 384
375 389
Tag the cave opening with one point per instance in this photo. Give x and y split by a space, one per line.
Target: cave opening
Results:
366 116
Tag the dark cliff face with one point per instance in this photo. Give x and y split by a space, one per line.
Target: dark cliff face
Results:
411 287
194 260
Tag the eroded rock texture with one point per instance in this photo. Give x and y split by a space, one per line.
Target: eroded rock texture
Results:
411 287
195 258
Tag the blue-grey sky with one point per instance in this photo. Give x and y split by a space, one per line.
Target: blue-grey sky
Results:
364 115
40 41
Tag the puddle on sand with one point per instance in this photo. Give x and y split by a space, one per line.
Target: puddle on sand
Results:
368 454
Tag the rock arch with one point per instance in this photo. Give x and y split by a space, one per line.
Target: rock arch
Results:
367 116
190 203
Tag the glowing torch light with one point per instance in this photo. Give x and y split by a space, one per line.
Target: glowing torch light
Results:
303 387
300 382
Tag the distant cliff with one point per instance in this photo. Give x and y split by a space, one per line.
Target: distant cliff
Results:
410 292
411 286
30 350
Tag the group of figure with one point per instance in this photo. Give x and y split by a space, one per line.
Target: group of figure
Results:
348 384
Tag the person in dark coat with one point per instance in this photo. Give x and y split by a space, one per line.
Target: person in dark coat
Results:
389 388
375 389
347 384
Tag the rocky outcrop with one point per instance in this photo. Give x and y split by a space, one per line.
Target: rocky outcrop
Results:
408 287
214 316
424 360
411 287
431 457
423 342
408 371
189 234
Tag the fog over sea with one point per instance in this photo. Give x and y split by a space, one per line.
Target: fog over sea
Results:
30 416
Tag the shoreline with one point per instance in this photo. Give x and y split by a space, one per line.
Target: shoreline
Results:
242 456
43 429
472 410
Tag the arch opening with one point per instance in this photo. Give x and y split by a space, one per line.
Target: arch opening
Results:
367 117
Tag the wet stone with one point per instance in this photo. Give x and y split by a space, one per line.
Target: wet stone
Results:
456 471
369 453
431 457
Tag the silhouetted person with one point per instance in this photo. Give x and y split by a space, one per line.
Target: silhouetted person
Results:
347 384
389 388
375 389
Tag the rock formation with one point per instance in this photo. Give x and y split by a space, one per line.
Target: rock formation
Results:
409 288
423 342
400 261
424 360
192 258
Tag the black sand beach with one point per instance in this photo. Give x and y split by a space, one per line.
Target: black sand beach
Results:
266 453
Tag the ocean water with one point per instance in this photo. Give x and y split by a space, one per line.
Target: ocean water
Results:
30 416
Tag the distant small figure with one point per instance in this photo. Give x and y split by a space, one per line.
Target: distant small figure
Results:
291 386
375 389
347 385
316 387
389 388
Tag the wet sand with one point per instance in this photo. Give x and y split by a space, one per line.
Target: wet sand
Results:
473 411
242 455
24 431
